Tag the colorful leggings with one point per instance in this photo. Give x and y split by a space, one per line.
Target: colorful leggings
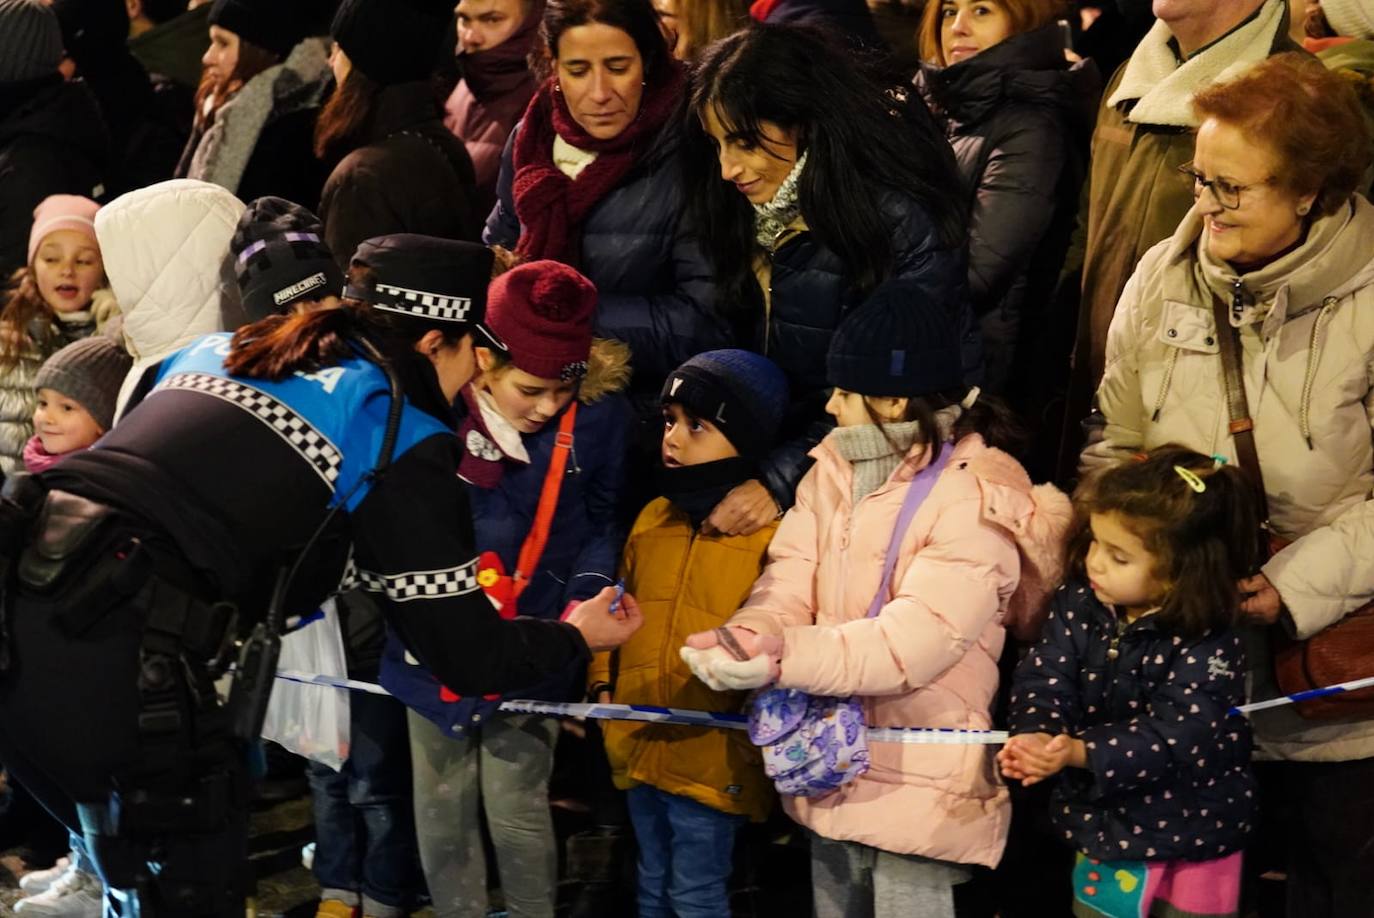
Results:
1156 889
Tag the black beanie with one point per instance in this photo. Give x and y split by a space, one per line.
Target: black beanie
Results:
95 32
742 393
392 41
280 257
899 343
273 25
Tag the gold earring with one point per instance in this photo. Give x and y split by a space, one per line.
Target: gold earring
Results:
1303 209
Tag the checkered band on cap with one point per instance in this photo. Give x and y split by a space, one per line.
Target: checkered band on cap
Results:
437 584
314 447
421 303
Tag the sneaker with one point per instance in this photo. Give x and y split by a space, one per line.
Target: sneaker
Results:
76 894
37 881
335 908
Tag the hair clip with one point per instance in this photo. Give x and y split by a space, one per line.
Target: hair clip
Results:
1219 459
969 399
1190 478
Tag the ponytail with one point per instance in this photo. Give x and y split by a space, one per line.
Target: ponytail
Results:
277 346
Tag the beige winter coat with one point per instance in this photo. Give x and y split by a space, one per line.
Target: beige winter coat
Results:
1307 334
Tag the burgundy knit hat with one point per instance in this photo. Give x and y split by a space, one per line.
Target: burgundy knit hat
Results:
543 311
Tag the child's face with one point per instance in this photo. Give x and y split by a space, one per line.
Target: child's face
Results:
689 440
68 270
527 401
849 410
62 424
1121 569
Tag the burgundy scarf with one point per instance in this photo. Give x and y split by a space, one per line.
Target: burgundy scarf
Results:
550 205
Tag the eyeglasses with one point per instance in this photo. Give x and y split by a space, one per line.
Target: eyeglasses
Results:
1226 192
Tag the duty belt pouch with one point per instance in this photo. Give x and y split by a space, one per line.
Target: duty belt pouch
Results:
69 530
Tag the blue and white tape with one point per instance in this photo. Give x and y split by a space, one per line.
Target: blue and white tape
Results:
652 714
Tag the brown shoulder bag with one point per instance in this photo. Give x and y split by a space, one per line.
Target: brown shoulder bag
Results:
1339 653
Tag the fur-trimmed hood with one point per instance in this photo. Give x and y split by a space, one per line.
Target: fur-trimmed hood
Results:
608 370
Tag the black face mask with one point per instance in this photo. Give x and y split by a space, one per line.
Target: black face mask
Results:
697 489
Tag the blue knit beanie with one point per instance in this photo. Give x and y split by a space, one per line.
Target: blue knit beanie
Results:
898 343
742 393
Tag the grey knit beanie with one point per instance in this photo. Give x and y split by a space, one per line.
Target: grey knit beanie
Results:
89 372
30 40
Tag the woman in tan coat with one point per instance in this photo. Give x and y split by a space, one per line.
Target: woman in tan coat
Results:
1278 235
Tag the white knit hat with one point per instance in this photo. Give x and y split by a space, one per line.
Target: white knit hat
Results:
1350 18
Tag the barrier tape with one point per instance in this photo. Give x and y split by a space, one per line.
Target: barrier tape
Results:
653 714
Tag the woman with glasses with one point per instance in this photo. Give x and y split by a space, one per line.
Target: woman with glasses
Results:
1278 253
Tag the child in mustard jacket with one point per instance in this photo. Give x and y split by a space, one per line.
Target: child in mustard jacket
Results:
691 788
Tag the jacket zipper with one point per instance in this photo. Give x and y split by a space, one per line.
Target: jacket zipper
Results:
664 674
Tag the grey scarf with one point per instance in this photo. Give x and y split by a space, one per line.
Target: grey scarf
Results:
870 454
772 218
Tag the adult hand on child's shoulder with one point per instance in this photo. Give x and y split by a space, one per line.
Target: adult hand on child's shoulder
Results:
744 511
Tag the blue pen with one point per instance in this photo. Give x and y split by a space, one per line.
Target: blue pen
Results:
619 592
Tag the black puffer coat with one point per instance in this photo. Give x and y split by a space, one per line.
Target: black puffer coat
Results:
656 290
811 290
1019 119
52 141
1168 772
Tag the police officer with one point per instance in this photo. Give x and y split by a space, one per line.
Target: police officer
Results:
258 474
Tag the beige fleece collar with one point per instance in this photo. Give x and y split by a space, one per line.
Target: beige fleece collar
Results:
1163 89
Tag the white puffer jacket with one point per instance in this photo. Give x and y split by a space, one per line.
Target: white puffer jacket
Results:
166 250
1307 337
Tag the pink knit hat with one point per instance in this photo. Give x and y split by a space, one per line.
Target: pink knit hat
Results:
62 212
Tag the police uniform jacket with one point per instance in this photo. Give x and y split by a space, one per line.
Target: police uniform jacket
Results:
235 474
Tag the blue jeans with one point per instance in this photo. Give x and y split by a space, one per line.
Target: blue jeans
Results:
686 850
364 820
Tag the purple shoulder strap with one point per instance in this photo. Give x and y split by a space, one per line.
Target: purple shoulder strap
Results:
916 493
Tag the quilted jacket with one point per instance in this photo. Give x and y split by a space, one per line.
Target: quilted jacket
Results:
983 543
1168 772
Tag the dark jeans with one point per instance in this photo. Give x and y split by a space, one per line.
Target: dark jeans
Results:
686 853
1317 825
364 821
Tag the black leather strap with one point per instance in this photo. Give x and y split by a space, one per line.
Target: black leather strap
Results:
1242 426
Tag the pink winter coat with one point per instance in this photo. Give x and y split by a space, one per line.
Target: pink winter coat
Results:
929 659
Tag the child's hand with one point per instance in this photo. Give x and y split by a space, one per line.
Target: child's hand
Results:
1033 757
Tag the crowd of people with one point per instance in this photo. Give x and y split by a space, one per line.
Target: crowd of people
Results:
697 355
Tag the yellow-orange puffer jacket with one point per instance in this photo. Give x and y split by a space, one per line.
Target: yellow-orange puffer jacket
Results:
684 582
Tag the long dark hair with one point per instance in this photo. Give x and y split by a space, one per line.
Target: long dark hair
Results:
277 346
863 135
636 18
988 416
1203 541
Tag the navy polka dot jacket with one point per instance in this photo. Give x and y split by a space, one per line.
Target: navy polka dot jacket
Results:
1168 772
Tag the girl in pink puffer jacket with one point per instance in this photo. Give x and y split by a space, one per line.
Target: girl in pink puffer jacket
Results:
979 557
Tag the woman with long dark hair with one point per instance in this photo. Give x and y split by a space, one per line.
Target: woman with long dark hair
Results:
813 182
260 473
591 178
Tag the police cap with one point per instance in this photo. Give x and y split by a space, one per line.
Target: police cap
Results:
428 278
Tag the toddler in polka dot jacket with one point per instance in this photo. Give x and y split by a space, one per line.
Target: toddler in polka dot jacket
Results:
1126 698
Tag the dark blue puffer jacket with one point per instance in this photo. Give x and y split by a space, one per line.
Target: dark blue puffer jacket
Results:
656 288
1169 769
580 559
812 291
